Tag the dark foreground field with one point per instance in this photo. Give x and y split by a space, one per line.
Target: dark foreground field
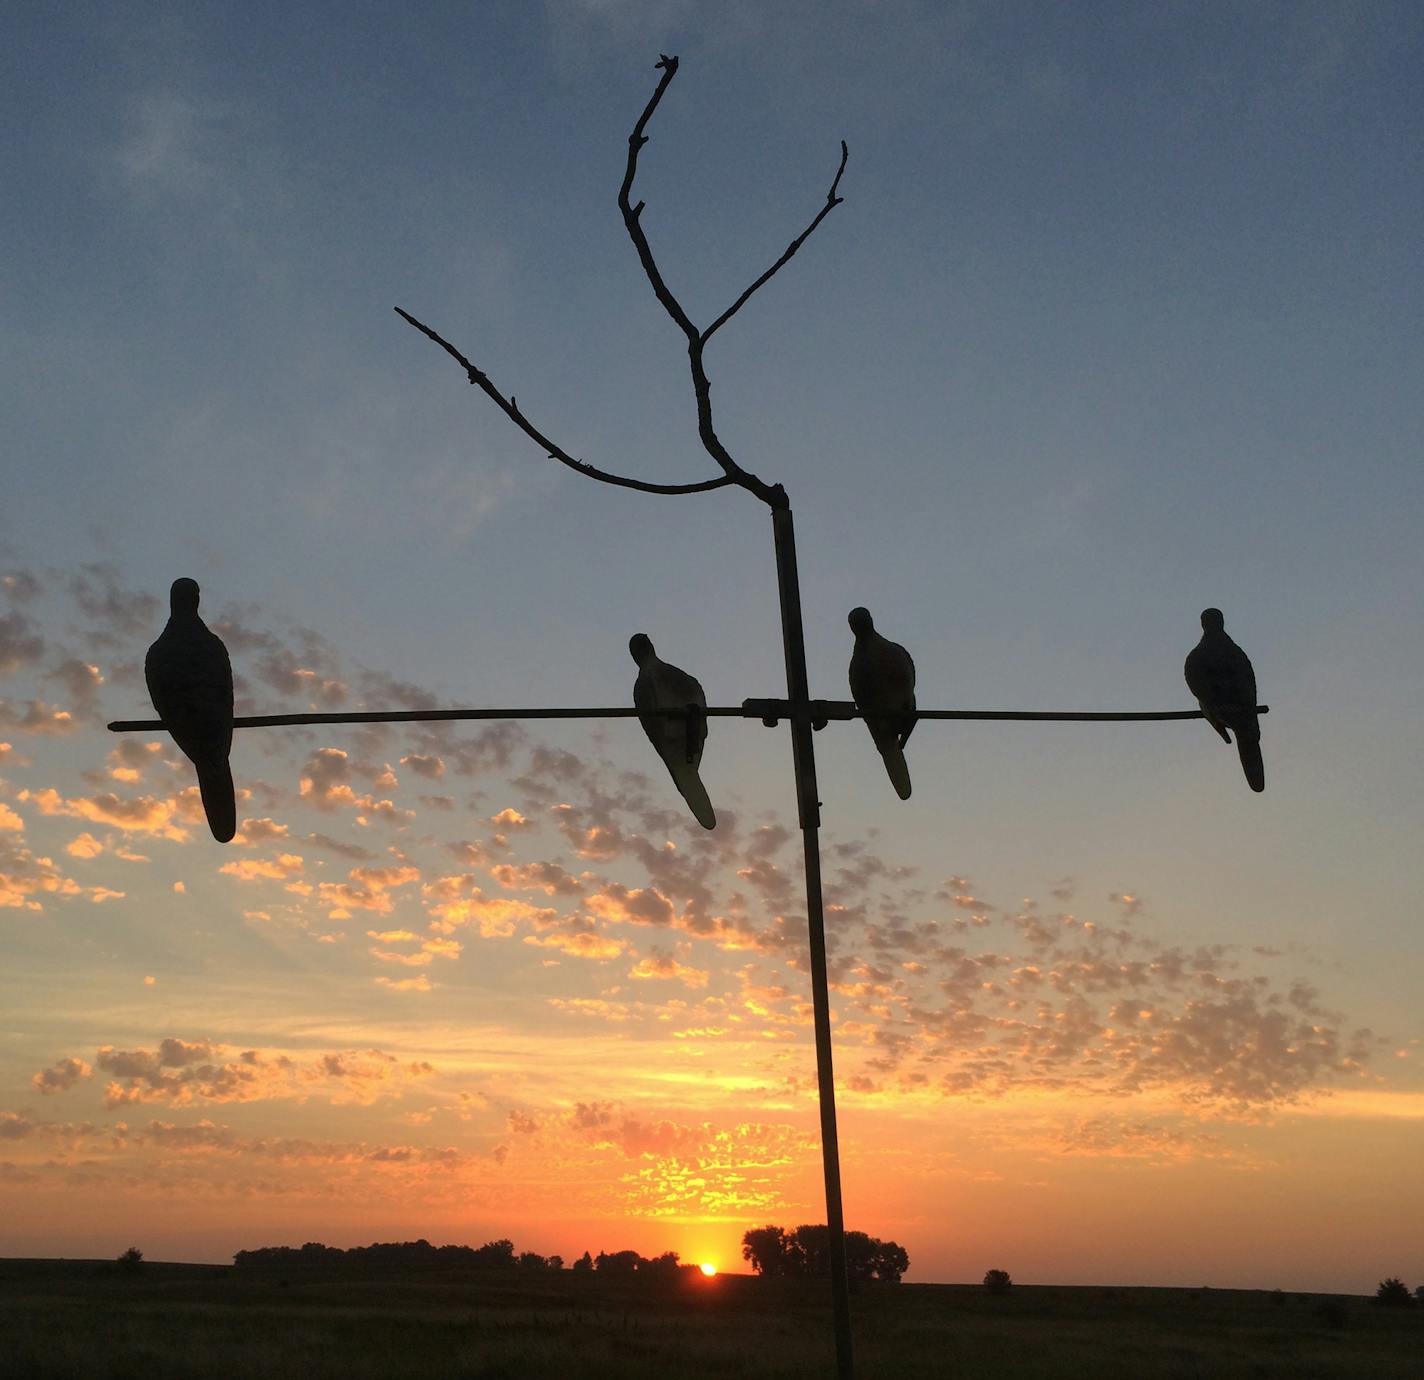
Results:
84 1318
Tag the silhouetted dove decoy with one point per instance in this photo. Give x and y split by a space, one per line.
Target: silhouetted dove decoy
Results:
882 681
1219 674
678 741
190 683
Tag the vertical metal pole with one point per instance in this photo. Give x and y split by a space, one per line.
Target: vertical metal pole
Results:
803 754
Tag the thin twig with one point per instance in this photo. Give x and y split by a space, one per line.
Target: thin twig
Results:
631 214
511 410
832 201
772 494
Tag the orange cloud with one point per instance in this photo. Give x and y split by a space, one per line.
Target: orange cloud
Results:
368 889
325 778
61 1076
457 902
280 869
639 906
181 1072
413 984
255 831
23 877
664 965
140 814
131 759
547 877
582 943
38 718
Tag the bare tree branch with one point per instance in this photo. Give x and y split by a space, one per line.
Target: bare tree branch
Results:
772 494
631 214
511 410
832 201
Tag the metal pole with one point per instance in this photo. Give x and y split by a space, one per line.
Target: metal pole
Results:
808 806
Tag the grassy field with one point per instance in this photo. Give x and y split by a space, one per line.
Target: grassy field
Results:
61 1319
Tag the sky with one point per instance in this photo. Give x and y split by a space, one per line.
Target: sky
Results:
1118 320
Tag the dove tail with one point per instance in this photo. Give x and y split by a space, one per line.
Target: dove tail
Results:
694 792
219 798
898 769
1248 747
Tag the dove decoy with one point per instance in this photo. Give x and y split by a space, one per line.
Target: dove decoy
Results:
1219 674
678 740
882 683
190 683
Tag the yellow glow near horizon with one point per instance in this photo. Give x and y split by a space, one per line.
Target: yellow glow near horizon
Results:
708 1268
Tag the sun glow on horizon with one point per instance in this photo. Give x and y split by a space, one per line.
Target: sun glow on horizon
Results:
708 1268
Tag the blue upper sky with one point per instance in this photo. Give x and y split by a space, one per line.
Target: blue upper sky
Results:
1119 319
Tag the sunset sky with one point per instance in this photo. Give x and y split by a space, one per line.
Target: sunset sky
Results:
1119 319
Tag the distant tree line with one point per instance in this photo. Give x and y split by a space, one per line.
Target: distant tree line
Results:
493 1255
421 1255
775 1252
664 1266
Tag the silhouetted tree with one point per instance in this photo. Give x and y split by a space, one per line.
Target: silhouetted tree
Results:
618 1263
772 1251
998 1281
664 1266
555 1262
584 1262
889 1260
810 1250
498 1254
131 1260
860 1255
532 1260
765 1248
1393 1293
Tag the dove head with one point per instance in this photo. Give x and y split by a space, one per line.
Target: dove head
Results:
860 621
183 597
1213 620
641 646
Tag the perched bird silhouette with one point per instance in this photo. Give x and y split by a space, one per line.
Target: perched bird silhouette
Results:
678 741
1219 674
882 682
190 683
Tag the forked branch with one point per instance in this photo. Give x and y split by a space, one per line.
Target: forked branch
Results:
772 494
832 201
510 408
732 473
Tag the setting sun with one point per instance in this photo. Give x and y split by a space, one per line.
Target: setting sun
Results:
708 1269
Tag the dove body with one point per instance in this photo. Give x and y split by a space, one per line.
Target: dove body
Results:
882 683
1221 677
190 683
678 740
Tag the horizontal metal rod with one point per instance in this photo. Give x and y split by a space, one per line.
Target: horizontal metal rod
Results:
1032 715
767 710
407 716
